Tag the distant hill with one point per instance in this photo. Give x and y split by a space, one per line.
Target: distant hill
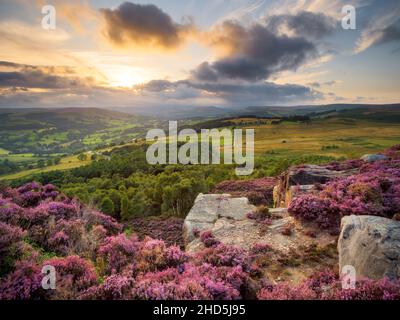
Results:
212 112
66 130
67 118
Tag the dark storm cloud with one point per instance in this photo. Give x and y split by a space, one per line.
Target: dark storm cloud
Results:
253 53
145 25
306 24
205 72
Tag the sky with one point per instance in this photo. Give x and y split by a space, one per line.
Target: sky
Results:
224 53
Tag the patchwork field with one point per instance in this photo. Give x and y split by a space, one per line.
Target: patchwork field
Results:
328 137
319 140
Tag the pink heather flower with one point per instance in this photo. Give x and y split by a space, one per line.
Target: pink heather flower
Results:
175 256
114 287
22 284
208 239
9 235
118 252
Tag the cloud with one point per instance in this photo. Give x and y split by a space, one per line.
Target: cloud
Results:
155 85
306 24
314 84
319 85
383 27
376 37
253 53
242 94
14 75
143 25
389 34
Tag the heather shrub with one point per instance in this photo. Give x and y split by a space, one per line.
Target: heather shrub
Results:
326 285
10 245
375 190
32 193
60 210
175 256
258 191
10 212
191 283
313 208
23 284
118 253
152 255
367 289
114 287
208 239
74 275
260 248
169 284
167 229
8 236
223 255
344 165
286 291
393 152
93 218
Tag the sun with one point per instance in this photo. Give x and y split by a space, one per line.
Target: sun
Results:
126 79
124 76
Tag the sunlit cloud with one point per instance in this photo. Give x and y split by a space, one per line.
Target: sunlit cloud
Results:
249 52
143 26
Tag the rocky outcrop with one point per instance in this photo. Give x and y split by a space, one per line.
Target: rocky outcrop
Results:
304 177
371 245
208 208
226 217
373 157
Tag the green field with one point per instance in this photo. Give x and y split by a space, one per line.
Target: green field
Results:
66 163
3 152
325 138
350 140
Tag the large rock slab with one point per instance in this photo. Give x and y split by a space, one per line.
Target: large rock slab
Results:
371 245
208 208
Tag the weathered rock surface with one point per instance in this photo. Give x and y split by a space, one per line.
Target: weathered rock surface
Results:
208 208
226 218
291 255
371 245
303 176
373 157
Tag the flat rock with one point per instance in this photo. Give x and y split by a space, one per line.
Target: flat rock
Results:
208 208
371 245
